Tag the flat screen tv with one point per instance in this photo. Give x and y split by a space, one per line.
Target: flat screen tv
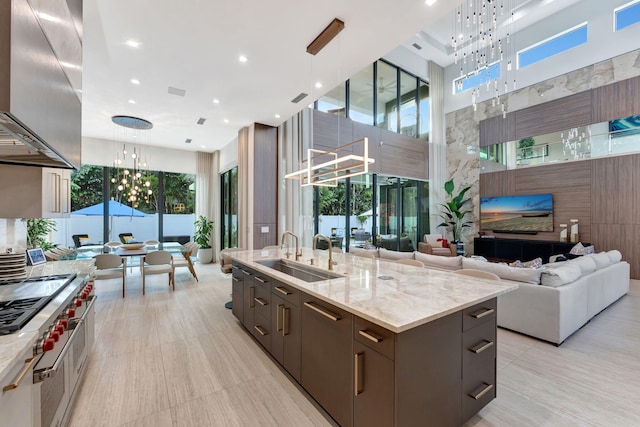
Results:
528 213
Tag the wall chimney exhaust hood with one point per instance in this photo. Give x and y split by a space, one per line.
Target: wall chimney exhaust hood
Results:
40 112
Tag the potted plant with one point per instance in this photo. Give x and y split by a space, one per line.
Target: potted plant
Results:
453 213
37 230
202 236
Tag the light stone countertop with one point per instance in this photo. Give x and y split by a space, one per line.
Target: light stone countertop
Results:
414 296
14 345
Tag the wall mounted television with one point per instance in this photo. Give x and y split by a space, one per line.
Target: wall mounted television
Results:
526 214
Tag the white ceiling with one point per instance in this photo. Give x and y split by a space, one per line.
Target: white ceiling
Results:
194 45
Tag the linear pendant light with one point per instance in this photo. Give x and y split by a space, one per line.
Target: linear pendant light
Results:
325 36
325 168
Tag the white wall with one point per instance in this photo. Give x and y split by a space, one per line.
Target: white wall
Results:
102 152
229 156
602 44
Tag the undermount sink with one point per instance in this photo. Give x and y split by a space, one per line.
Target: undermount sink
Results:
299 271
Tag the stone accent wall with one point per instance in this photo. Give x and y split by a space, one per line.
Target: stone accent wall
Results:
462 126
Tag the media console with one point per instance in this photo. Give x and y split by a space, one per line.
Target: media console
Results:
522 249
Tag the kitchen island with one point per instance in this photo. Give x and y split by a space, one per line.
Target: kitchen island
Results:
378 343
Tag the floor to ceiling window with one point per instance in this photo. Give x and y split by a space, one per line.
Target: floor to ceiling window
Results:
229 207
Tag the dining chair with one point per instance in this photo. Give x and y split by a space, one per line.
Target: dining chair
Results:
109 266
478 273
158 262
184 259
413 262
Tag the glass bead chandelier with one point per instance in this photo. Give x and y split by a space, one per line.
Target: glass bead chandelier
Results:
483 36
132 182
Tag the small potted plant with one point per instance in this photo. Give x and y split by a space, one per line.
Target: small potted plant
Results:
37 230
453 213
202 236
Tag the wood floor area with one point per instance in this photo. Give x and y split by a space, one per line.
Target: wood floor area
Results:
181 359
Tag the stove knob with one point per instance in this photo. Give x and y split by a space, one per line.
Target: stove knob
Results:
85 295
45 345
54 335
71 312
59 329
64 323
78 302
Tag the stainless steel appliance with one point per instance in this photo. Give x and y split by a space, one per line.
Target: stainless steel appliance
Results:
60 309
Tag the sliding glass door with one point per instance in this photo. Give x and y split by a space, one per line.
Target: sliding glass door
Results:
229 206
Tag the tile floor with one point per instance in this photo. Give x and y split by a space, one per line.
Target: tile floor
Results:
181 359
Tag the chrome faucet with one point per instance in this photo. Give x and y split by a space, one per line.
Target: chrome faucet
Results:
322 236
298 251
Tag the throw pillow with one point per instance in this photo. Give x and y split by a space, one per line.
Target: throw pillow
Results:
589 250
614 255
527 275
84 238
534 263
578 249
560 275
517 263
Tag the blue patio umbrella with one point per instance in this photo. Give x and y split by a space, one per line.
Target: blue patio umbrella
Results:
115 209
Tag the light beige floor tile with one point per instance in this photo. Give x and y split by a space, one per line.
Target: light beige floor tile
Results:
160 419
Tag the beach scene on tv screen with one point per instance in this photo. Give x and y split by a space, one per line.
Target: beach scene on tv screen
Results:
532 212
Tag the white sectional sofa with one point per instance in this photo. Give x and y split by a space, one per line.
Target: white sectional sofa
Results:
552 302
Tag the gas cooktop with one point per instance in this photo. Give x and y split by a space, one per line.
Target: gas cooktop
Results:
21 299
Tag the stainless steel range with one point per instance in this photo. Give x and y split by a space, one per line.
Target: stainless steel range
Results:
60 309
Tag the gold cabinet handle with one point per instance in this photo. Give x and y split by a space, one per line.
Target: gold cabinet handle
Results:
480 347
27 367
260 301
481 313
260 330
485 390
285 321
260 279
326 314
357 369
251 290
278 308
235 279
283 291
370 336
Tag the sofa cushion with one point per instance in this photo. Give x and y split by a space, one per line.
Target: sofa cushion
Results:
527 275
601 259
447 263
560 274
614 256
587 264
387 254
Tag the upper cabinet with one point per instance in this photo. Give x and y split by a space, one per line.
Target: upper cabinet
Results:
31 192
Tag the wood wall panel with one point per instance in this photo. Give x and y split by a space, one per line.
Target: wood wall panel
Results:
373 134
260 239
497 184
622 238
497 129
327 127
554 116
265 184
604 185
403 156
617 100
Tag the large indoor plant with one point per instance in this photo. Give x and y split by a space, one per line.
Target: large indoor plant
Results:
202 236
37 231
453 212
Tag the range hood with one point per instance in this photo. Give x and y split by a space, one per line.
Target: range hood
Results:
40 112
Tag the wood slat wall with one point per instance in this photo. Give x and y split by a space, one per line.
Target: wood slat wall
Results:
265 185
603 194
617 100
497 129
558 115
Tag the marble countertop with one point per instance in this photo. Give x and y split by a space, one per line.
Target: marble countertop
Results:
412 296
14 345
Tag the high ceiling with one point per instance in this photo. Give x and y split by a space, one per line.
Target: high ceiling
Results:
192 48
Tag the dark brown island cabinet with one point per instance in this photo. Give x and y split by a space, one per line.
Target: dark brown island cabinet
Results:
440 373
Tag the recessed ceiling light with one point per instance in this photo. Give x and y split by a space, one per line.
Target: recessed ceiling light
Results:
226 120
133 43
277 116
203 146
131 101
318 85
216 101
242 58
430 2
135 81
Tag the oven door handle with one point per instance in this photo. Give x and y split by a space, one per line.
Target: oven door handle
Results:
42 374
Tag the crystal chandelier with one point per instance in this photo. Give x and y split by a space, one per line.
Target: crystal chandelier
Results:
483 37
133 183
